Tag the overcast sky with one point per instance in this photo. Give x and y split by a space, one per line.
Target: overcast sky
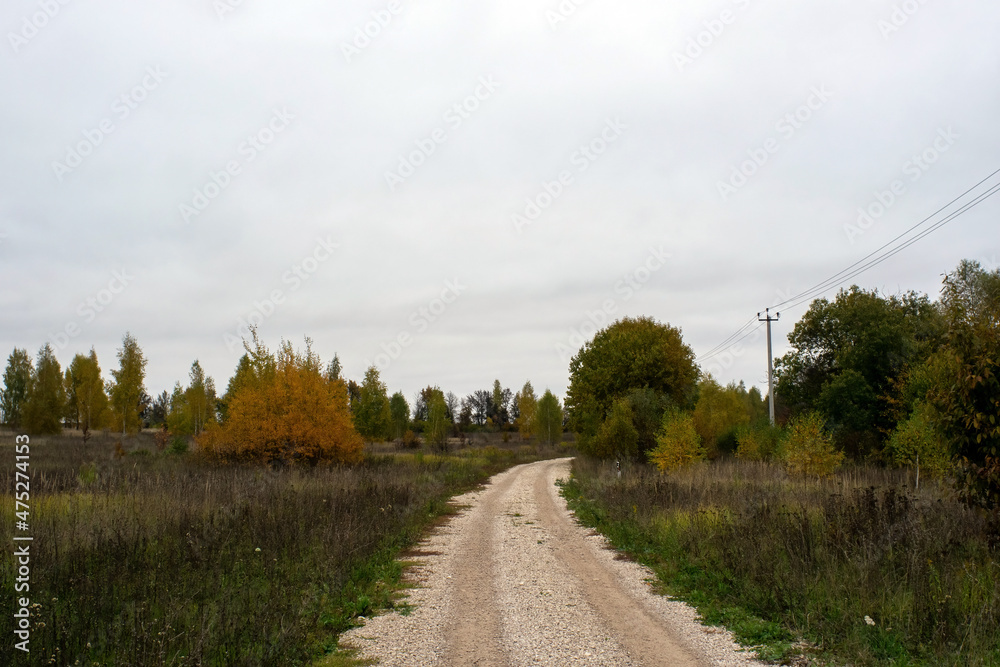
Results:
459 191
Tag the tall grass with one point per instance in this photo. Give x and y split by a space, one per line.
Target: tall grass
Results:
158 559
786 558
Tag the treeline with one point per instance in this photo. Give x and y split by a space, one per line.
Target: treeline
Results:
39 398
893 379
439 415
284 405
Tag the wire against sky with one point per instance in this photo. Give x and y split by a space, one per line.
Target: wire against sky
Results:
872 259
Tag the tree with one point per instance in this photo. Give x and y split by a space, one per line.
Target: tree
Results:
527 410
453 404
719 412
17 383
677 443
371 412
919 443
159 409
438 423
480 404
549 419
46 402
966 392
759 441
809 448
648 407
399 414
629 354
500 405
333 369
353 393
848 357
465 416
291 412
179 421
617 436
200 399
243 377
85 393
127 387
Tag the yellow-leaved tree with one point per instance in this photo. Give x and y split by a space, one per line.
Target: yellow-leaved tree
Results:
285 410
677 443
809 449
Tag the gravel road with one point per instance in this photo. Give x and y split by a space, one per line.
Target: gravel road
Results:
513 580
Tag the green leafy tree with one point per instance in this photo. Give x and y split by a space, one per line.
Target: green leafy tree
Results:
966 393
85 393
159 409
200 398
127 387
17 383
759 441
630 354
399 414
179 420
648 407
549 419
527 410
917 442
848 357
438 424
501 398
353 394
677 443
46 403
372 416
334 369
243 377
617 437
719 412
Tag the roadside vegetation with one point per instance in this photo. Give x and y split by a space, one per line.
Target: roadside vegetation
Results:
865 522
159 558
250 528
855 568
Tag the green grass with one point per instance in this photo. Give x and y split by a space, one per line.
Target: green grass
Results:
781 561
163 559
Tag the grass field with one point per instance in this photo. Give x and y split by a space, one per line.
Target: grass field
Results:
153 558
863 568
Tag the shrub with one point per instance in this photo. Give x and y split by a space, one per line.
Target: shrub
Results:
410 440
179 445
809 448
677 443
760 442
918 442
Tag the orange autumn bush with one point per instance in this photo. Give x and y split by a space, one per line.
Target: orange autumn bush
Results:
285 410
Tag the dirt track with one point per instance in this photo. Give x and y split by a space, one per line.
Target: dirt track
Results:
513 580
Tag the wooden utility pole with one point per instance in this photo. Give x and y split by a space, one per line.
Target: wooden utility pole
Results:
770 367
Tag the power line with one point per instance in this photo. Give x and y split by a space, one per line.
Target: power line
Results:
830 282
706 357
808 295
864 264
718 348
